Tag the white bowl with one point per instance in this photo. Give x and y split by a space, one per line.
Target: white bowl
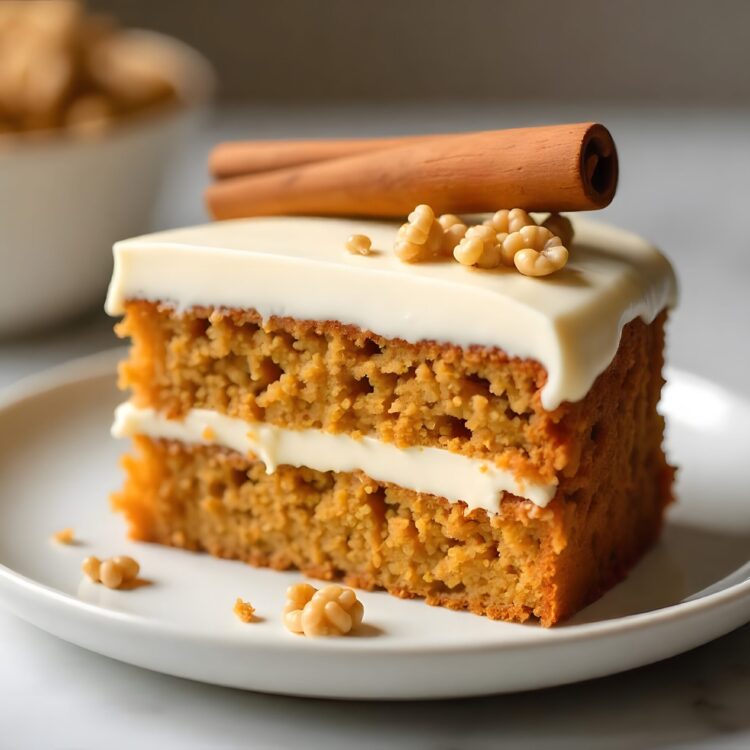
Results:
65 199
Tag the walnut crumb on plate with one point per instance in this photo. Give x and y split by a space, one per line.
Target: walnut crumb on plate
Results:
334 610
244 610
114 572
64 536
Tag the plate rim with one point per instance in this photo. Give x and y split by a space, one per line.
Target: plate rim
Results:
103 364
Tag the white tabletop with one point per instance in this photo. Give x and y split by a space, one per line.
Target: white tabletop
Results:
683 185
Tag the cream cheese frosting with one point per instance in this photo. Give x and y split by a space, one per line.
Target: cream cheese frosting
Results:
436 471
570 322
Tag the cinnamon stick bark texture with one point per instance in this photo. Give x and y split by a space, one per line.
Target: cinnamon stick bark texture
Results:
552 168
238 158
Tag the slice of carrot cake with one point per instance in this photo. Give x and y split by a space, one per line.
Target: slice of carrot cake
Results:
483 439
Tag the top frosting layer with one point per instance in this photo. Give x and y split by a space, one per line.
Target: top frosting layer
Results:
570 322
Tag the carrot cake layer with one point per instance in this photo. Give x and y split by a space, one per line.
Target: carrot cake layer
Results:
265 356
499 555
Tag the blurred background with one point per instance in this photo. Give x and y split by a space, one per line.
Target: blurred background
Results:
670 79
672 51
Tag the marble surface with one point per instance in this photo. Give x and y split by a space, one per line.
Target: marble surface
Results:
684 186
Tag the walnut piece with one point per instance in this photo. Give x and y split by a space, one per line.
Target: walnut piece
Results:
479 247
509 237
426 237
63 68
532 262
113 572
64 536
91 567
560 226
534 251
454 229
244 610
129 567
110 574
332 611
359 244
506 220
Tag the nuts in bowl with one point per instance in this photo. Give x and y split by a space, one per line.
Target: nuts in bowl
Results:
90 117
62 68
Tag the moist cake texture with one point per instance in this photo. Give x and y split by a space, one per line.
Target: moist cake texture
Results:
306 374
585 478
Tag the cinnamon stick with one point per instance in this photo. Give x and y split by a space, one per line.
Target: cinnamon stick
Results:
237 158
552 168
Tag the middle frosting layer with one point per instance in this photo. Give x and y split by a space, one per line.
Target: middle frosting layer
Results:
435 471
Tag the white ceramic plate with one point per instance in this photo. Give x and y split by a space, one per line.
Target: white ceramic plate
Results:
58 464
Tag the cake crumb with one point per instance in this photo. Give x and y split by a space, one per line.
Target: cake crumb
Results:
64 536
332 611
212 505
208 433
114 572
359 244
244 610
